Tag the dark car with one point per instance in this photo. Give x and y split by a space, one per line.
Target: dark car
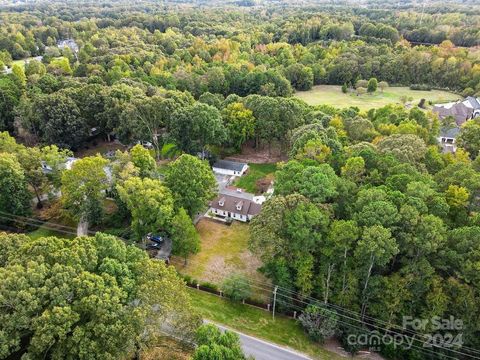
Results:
156 238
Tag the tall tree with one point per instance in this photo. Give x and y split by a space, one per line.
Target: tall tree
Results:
83 189
149 202
108 304
186 240
14 196
192 183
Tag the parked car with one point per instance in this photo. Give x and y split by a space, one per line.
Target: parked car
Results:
156 238
145 144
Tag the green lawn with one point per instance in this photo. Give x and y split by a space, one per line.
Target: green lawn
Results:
255 172
256 322
42 232
332 95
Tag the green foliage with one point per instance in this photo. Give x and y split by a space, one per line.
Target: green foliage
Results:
83 188
372 85
318 322
142 159
214 344
150 204
106 295
14 197
192 183
236 287
185 238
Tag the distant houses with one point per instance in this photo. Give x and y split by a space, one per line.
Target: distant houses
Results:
460 112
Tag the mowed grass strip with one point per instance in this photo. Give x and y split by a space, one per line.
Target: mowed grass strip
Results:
332 95
255 172
259 323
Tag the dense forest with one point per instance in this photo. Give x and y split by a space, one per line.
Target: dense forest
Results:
368 214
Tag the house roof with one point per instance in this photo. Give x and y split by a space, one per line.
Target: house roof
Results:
229 165
474 102
449 132
459 111
235 205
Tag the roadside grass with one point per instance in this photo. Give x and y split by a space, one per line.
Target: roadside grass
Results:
224 251
248 182
256 322
332 95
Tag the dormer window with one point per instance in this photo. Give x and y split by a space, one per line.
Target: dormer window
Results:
221 202
239 205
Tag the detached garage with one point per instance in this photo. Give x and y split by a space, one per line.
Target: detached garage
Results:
232 168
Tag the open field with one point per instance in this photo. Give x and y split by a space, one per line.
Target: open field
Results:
332 95
256 322
255 172
224 251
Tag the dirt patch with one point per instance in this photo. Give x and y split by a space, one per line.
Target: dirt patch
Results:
263 155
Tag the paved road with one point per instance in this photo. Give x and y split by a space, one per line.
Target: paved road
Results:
262 350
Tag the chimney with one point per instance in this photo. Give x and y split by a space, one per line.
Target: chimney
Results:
221 202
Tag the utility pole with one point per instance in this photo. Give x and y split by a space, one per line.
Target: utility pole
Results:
274 301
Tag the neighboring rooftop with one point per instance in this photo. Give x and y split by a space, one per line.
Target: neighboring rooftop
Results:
459 111
229 165
449 132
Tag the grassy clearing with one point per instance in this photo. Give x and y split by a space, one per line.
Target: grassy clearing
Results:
256 322
255 173
332 95
224 251
42 232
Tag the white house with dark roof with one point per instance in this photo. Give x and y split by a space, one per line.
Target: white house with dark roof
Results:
231 168
227 206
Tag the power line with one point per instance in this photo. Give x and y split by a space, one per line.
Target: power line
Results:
265 287
358 319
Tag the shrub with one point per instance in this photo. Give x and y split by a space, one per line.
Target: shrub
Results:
372 85
209 286
319 323
236 287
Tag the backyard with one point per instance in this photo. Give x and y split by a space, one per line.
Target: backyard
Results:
256 172
333 95
224 251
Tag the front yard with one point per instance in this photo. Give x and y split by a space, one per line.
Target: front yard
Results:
224 251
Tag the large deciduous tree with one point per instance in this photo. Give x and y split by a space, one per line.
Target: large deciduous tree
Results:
193 127
86 298
192 183
14 195
149 202
186 240
83 188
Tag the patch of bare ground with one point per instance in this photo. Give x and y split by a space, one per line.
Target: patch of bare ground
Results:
261 155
